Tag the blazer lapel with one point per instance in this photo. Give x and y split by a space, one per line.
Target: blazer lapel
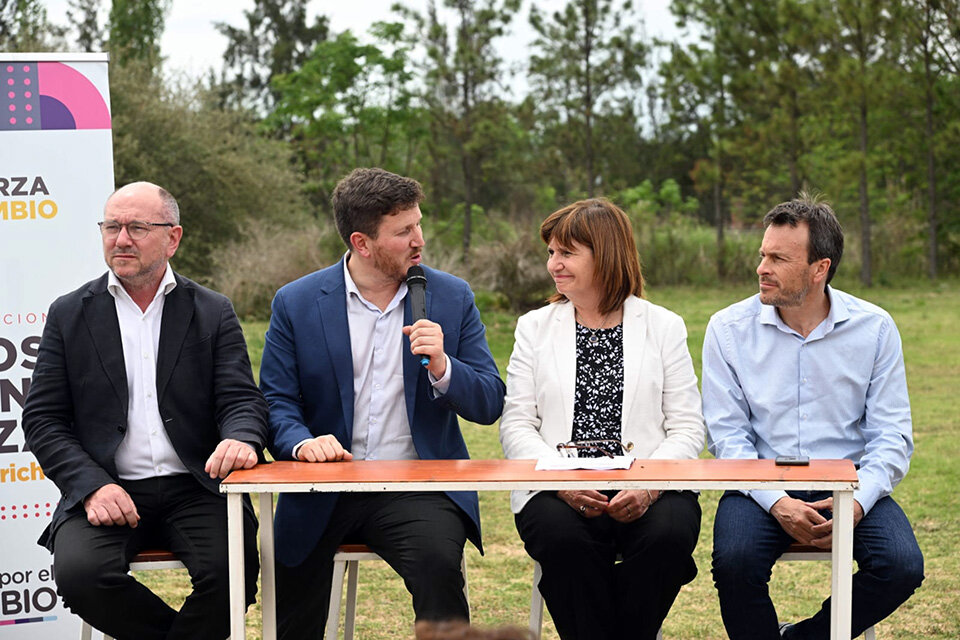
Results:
332 310
634 343
564 339
100 314
411 362
178 311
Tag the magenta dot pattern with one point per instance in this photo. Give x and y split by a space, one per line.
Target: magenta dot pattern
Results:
19 100
10 512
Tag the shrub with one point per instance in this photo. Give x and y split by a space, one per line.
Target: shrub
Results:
250 270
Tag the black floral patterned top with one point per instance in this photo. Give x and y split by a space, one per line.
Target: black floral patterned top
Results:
598 404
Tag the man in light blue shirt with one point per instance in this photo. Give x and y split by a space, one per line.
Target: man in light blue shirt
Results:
803 369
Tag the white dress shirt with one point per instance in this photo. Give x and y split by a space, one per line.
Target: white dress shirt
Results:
381 430
146 450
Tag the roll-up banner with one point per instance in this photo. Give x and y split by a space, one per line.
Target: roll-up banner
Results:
56 171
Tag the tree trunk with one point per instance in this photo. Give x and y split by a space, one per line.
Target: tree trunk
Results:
719 119
718 216
588 96
931 159
466 164
794 159
866 271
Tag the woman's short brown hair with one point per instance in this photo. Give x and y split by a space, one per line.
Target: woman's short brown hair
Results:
604 228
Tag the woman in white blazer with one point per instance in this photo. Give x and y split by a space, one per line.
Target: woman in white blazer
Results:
600 363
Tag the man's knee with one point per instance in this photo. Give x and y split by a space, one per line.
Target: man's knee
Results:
900 568
81 577
738 564
445 556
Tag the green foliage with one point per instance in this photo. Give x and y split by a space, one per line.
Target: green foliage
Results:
585 66
662 203
858 99
468 120
277 41
24 27
135 30
251 268
223 174
348 105
84 18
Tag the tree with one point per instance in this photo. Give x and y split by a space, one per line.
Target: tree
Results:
222 172
697 79
928 30
462 94
277 40
135 30
854 55
24 26
769 46
84 17
585 56
348 105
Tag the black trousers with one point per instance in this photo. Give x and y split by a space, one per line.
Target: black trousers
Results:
420 535
176 513
591 596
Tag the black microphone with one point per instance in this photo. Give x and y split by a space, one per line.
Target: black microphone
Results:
417 286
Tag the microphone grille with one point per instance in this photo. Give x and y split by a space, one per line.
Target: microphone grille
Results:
415 273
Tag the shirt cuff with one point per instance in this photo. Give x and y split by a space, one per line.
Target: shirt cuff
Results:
867 497
766 499
440 386
296 447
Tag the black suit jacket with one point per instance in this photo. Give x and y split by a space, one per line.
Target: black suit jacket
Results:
75 414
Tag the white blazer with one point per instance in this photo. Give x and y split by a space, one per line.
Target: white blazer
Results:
661 413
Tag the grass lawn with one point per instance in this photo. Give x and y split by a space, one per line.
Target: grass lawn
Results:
500 581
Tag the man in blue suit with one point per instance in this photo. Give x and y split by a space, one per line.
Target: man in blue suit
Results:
343 376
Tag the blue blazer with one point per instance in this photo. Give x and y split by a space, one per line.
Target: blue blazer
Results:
307 377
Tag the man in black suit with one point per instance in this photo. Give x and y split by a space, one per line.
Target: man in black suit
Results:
141 401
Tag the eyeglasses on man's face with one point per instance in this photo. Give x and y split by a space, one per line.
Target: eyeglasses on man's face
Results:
135 229
605 447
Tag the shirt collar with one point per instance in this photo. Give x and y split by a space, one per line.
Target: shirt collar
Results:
838 313
353 289
167 284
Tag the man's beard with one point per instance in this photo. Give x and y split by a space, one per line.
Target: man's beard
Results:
785 297
390 265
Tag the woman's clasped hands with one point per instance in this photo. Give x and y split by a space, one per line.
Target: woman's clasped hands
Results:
625 506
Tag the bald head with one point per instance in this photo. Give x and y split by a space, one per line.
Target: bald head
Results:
146 194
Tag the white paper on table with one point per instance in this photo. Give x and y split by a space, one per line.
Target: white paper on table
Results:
602 463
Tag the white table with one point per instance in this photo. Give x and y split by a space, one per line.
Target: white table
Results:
838 476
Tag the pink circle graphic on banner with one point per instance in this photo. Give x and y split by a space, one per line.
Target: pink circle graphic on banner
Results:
64 99
69 95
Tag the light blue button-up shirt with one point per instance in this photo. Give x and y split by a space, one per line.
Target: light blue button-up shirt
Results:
841 392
